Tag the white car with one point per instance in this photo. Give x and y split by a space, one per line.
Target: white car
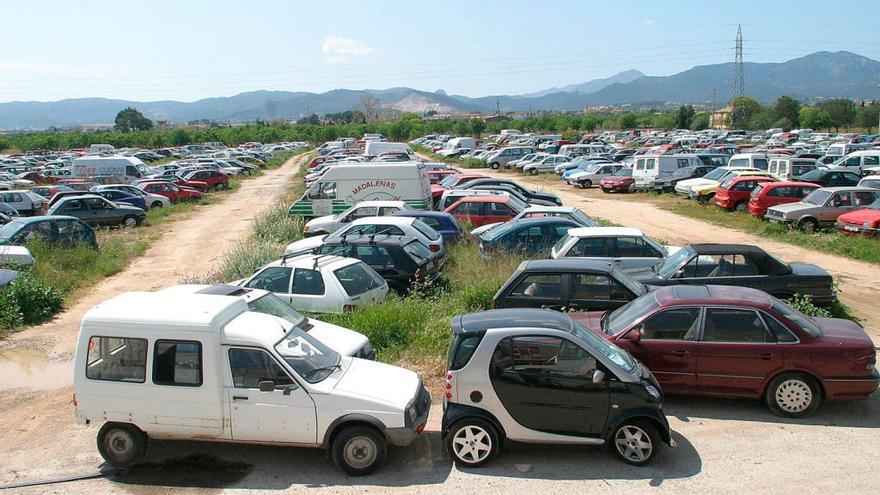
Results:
15 256
546 164
387 225
568 212
320 283
152 200
330 223
871 181
628 248
683 188
342 340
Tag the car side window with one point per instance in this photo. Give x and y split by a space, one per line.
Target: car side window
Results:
703 265
587 286
543 285
307 282
373 255
863 198
632 247
544 356
588 246
251 366
272 279
432 222
366 211
177 363
497 209
671 324
97 204
324 190
734 325
388 210
734 265
841 199
468 208
117 359
778 330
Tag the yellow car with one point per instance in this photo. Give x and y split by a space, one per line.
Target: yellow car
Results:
705 191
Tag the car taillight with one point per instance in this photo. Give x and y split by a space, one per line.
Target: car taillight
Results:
435 247
487 248
448 385
347 308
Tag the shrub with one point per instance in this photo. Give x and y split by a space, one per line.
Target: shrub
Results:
805 305
35 299
10 314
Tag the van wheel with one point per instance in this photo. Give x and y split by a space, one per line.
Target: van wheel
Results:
121 444
793 395
358 450
156 204
808 225
635 442
472 442
130 222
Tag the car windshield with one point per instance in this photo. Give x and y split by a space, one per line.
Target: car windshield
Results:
817 197
622 317
271 304
726 183
813 175
671 264
617 355
803 321
716 174
8 230
624 172
449 181
516 204
683 172
311 359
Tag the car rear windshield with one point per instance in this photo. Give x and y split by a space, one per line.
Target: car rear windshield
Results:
801 320
358 278
516 204
426 230
418 251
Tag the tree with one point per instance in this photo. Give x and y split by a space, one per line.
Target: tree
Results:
477 126
628 121
128 119
372 106
700 122
814 118
842 112
787 108
867 115
685 117
762 119
742 109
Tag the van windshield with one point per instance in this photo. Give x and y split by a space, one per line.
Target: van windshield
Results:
271 304
311 359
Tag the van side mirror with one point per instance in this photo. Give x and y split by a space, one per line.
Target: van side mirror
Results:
598 377
267 386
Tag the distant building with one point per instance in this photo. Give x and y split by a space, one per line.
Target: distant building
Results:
720 118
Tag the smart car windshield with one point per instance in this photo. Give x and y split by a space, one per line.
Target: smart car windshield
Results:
617 355
311 359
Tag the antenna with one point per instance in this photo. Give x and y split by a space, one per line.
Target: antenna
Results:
738 89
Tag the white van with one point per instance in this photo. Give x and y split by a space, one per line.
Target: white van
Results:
791 168
749 160
457 143
501 157
376 148
843 149
344 185
101 148
859 162
648 168
206 368
128 168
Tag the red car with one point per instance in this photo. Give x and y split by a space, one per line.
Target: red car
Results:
37 177
733 193
450 182
864 222
769 194
481 210
621 181
171 191
213 179
317 161
737 342
436 176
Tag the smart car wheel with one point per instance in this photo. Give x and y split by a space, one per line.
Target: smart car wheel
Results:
793 395
635 442
120 444
359 450
472 442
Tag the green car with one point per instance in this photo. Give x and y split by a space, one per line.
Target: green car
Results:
51 229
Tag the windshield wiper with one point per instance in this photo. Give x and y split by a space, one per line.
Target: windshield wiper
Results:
310 374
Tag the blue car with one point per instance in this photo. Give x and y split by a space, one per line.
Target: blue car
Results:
123 197
444 223
529 236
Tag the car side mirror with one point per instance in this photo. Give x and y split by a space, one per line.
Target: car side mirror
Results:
598 377
267 385
634 335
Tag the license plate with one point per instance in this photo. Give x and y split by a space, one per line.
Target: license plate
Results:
850 228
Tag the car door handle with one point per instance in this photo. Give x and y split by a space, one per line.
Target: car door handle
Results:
239 397
680 352
766 356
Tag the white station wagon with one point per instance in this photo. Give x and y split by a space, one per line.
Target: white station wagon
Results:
320 283
630 249
207 368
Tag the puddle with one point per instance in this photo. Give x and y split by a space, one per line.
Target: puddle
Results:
192 471
30 368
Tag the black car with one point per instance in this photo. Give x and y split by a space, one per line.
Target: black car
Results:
742 265
528 236
579 284
7 213
400 260
667 184
830 178
532 196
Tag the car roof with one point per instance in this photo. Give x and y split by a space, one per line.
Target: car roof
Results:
381 239
713 248
605 231
567 264
380 203
794 183
42 218
195 311
384 220
422 213
712 294
550 209
485 199
525 222
314 261
510 318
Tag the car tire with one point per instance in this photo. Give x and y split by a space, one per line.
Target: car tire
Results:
359 450
586 184
793 395
156 204
494 165
808 225
533 171
121 444
130 222
635 442
742 206
606 190
472 442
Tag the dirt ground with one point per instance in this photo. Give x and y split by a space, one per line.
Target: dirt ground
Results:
723 446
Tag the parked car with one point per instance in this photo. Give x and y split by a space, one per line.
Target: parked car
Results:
36 177
49 191
593 175
822 207
666 184
738 342
444 223
620 181
401 261
871 181
177 180
95 210
214 179
568 212
545 164
733 193
706 193
629 249
7 213
864 222
767 194
531 196
481 210
502 157
451 196
831 178
320 284
117 196
63 230
25 202
150 199
13 256
394 225
744 266
331 223
568 283
248 379
537 376
171 191
791 168
526 236
708 181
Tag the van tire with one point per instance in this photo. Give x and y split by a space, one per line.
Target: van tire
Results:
358 450
121 444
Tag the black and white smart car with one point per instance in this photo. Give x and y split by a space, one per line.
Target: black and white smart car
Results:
537 376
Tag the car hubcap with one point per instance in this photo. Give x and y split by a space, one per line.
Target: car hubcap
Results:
131 222
472 444
120 444
360 452
633 443
793 396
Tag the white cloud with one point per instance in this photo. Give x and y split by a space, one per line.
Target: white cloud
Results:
337 49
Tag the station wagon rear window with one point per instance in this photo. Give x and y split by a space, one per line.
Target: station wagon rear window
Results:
358 278
117 359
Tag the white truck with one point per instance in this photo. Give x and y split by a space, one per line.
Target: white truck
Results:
204 367
127 168
376 148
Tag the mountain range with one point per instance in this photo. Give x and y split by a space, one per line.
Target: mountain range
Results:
817 75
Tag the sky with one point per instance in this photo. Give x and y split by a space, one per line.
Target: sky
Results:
191 49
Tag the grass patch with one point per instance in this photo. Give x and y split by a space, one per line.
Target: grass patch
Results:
452 160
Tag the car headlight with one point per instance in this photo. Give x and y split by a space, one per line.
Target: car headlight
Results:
866 224
652 391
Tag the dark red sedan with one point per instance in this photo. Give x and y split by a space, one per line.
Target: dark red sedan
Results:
171 191
736 342
621 181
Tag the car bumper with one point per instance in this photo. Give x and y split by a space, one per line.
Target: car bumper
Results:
402 437
851 388
856 230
